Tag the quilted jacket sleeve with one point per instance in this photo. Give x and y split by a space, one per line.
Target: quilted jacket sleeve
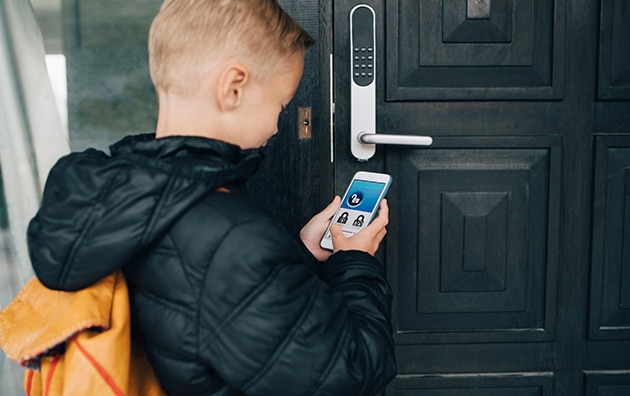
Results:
293 333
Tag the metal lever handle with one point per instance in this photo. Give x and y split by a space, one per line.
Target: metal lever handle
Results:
399 140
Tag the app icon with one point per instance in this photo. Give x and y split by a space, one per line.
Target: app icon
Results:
355 199
358 222
343 219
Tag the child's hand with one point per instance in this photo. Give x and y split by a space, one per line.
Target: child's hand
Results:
366 240
311 234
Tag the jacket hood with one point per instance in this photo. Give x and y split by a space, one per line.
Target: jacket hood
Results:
98 211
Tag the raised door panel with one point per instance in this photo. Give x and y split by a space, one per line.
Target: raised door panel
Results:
610 279
476 255
614 50
613 72
474 49
493 384
607 383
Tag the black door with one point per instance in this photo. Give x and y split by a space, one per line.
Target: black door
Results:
509 242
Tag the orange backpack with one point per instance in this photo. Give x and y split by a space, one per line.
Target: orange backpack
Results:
76 343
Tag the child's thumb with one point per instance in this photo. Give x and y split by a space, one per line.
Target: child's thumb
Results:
336 231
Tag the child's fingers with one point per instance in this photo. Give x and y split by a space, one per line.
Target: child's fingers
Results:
368 239
382 217
336 231
330 210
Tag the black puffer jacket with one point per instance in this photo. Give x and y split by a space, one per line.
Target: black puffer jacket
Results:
219 291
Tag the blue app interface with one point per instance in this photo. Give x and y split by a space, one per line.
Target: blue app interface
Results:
363 195
357 206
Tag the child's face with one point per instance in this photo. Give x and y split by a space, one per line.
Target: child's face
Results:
263 103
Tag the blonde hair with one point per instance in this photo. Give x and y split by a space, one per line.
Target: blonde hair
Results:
188 35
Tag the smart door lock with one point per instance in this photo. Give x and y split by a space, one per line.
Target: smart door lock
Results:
363 55
363 85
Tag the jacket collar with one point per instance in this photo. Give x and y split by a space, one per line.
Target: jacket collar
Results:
191 155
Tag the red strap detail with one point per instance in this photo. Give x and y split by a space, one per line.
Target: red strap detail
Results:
99 369
53 366
29 382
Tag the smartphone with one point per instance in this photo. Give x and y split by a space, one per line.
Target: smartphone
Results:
359 204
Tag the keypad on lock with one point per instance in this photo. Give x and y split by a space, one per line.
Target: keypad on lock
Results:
363 65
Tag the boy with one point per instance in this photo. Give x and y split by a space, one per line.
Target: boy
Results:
222 298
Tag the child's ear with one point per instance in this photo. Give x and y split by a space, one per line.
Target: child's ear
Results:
231 86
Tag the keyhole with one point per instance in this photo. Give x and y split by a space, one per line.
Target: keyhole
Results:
304 122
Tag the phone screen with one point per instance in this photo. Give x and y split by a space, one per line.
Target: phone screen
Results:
358 206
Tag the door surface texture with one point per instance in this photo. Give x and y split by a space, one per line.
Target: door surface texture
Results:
509 240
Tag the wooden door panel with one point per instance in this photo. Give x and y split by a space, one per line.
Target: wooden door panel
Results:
607 383
610 291
477 230
614 50
480 358
493 384
474 49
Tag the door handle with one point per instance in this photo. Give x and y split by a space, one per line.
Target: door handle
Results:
398 140
363 71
